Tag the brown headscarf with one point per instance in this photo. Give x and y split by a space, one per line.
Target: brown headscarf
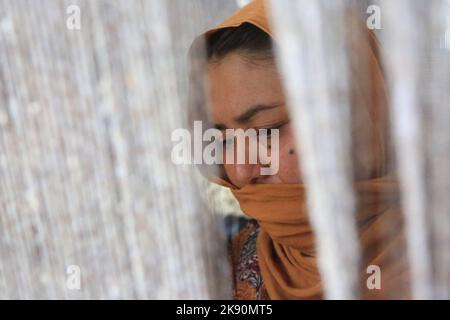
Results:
285 244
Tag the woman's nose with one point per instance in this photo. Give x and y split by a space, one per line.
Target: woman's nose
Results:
243 174
247 173
247 168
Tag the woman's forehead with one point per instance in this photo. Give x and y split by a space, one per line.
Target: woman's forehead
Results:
234 85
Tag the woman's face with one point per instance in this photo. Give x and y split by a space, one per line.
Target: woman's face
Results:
248 94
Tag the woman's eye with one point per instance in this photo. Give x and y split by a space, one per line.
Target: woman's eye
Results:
228 142
268 131
264 136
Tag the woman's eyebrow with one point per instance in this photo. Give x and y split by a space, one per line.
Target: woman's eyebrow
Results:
219 126
252 111
248 114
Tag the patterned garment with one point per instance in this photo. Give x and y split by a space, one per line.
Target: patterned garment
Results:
247 280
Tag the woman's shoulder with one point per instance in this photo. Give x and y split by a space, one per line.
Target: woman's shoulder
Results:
247 280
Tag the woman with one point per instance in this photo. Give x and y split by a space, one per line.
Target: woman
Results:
273 255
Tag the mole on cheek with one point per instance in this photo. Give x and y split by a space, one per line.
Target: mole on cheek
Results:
291 151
